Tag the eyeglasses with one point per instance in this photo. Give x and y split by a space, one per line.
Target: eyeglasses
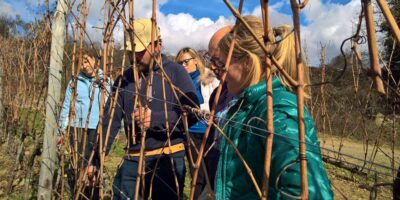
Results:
213 61
185 62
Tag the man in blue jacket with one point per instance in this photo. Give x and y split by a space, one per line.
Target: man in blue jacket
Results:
164 149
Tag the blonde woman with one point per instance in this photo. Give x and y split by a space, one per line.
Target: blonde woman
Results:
204 79
204 82
245 80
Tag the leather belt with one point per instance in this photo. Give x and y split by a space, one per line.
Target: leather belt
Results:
163 150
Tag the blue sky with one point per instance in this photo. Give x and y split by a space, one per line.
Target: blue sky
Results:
192 22
212 8
215 8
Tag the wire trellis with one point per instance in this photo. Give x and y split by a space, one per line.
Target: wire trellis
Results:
122 11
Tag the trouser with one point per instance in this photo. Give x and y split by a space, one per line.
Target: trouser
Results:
83 153
82 160
163 185
210 161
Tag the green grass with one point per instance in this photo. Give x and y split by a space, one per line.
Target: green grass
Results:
188 180
118 148
30 120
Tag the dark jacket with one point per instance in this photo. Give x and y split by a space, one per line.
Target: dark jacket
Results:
224 98
156 136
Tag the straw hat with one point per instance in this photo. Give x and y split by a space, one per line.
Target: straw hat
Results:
142 28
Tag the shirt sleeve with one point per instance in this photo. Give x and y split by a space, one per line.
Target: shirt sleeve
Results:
63 119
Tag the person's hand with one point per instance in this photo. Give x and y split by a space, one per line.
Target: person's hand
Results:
142 117
59 140
91 174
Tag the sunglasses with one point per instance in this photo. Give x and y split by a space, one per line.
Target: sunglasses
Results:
213 61
185 62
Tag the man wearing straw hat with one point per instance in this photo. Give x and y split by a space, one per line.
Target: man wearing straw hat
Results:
164 166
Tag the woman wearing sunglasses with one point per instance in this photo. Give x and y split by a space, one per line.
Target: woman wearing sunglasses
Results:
205 82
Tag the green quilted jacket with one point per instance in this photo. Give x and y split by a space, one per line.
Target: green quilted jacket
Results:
248 135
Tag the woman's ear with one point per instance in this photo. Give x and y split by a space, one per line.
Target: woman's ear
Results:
248 62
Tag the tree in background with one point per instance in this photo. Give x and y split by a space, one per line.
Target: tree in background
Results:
392 52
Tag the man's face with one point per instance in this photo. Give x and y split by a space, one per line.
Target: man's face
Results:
143 58
215 65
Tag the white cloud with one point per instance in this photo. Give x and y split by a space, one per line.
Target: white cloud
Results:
12 9
180 30
5 8
183 30
97 16
328 24
177 30
276 18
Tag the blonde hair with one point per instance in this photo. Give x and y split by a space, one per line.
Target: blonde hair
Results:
248 50
285 54
193 53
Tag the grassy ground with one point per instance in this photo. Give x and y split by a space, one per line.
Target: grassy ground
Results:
351 184
375 155
346 184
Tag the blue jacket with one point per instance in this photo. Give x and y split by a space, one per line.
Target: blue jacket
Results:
84 88
156 136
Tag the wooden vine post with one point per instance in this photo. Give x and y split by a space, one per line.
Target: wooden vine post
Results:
45 188
269 119
300 98
389 18
141 163
372 46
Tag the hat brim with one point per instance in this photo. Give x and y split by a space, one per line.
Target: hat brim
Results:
138 47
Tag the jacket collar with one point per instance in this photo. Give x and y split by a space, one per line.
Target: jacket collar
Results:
84 76
254 92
